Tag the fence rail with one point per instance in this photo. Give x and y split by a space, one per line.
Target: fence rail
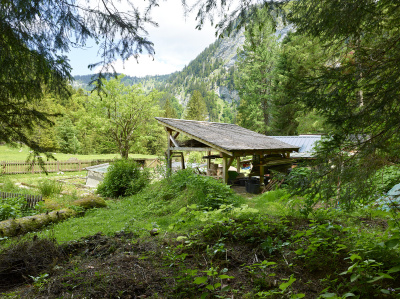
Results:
20 167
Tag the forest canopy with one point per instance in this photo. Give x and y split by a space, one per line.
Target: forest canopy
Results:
34 39
354 88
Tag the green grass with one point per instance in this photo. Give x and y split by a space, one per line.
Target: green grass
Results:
117 216
8 153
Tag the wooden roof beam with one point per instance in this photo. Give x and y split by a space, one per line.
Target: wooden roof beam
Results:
214 147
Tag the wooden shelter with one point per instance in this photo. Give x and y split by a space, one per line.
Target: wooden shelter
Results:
229 140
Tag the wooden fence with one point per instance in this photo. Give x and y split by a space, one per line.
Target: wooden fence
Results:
31 200
18 167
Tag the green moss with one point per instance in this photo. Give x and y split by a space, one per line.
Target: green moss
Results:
90 202
14 227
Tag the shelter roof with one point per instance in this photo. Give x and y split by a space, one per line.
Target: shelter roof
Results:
229 137
306 143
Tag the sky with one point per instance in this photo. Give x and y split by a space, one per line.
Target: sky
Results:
176 43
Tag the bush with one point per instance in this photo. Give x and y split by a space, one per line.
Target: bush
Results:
200 190
123 178
49 187
298 178
386 178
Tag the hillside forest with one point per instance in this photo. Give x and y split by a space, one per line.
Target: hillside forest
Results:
328 227
258 95
265 76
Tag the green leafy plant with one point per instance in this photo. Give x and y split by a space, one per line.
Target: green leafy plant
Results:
284 290
320 244
123 178
40 281
213 281
49 187
16 207
364 273
261 273
205 192
386 178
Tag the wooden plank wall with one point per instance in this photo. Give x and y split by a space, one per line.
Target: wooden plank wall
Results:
19 167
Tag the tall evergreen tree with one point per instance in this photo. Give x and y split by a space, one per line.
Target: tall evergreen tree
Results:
169 110
356 90
196 108
255 72
299 54
67 136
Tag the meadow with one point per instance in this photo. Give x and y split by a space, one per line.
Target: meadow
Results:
8 153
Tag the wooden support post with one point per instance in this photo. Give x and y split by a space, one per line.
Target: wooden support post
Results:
225 168
208 161
261 174
169 161
238 164
183 161
173 141
176 135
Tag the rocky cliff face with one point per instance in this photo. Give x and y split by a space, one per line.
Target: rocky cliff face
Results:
228 95
218 78
229 48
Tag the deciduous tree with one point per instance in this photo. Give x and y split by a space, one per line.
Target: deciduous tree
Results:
124 113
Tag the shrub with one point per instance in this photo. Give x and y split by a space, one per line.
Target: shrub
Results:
387 177
123 178
298 178
49 187
201 190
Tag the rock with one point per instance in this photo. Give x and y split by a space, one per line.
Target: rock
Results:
154 232
90 202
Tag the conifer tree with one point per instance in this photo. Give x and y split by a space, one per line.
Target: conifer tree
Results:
169 110
255 72
196 108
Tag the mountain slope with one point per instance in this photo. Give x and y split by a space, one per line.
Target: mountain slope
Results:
211 73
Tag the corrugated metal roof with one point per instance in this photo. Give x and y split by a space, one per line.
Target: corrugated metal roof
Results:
306 143
229 137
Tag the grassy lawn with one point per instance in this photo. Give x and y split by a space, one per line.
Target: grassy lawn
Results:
8 153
